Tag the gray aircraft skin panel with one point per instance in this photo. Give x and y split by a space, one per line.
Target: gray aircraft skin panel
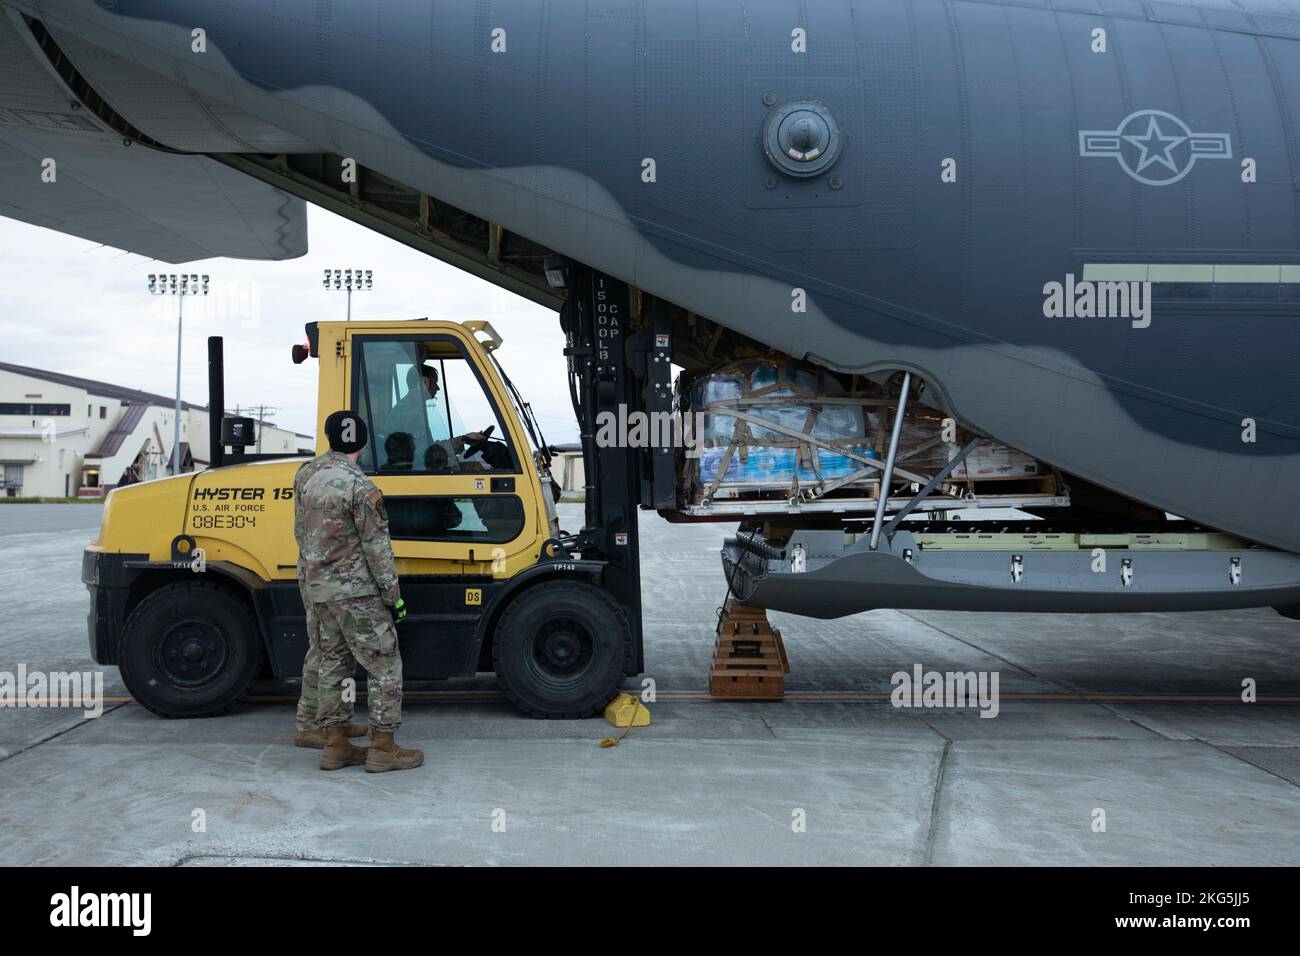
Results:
174 208
104 201
961 157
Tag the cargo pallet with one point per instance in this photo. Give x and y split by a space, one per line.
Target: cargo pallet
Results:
858 492
1048 491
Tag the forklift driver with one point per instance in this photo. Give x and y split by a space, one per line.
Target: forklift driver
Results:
412 410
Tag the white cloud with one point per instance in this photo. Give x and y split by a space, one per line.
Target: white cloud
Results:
71 306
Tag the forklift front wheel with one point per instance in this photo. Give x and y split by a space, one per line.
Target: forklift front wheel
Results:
561 649
189 650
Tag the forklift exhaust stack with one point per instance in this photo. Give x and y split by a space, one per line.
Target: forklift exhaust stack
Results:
216 400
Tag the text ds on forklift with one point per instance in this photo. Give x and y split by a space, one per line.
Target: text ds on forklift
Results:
193 581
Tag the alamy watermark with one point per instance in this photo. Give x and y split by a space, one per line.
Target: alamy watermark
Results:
1098 300
75 908
225 301
53 689
950 689
638 429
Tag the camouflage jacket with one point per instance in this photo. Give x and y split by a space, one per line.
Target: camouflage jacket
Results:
341 527
299 482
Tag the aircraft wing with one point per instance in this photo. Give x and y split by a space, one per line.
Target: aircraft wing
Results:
63 168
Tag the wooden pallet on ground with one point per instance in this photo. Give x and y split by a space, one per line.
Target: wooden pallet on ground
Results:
749 660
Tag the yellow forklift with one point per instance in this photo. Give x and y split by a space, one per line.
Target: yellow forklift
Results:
192 579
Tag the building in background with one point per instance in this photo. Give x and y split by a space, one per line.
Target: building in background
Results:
567 468
62 436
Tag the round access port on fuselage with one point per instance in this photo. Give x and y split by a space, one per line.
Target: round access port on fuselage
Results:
802 139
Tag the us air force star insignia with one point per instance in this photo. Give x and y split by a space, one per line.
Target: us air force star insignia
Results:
1155 147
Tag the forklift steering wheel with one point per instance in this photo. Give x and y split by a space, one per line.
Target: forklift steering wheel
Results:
472 447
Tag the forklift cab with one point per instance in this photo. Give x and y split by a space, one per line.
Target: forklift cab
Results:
418 395
447 447
439 447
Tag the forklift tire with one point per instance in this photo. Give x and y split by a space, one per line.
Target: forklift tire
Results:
189 650
561 650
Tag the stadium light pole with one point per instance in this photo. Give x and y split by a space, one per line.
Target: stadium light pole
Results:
349 279
180 286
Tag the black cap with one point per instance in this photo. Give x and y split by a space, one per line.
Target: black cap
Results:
346 432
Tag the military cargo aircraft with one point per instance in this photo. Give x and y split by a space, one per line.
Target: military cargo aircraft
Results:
1072 226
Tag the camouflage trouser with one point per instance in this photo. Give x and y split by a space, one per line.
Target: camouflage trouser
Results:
309 699
359 631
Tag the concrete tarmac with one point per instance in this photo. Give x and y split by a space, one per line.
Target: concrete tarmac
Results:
1136 719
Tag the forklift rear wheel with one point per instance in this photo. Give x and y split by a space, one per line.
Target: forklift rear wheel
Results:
189 650
561 649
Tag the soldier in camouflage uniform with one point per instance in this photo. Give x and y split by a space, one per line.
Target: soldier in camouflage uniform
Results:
310 733
350 581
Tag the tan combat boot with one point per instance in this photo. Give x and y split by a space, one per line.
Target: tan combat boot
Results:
386 755
338 752
315 739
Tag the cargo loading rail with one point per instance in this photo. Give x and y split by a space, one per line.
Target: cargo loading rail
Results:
828 574
717 509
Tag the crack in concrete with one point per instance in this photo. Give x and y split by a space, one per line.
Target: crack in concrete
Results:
1110 709
1066 685
974 646
59 733
936 800
291 858
1249 763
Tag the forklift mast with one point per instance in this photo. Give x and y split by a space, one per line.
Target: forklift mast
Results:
617 367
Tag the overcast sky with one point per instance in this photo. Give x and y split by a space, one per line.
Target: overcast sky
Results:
69 305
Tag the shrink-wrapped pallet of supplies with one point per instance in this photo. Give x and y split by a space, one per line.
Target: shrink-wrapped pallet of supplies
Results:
772 429
770 426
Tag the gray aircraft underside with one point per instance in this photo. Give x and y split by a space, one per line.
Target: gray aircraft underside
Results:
916 171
